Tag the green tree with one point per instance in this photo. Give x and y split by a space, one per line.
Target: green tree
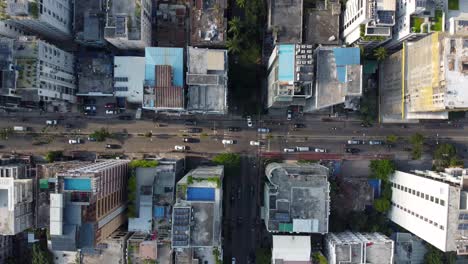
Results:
392 139
100 135
381 205
380 53
381 169
456 162
318 258
229 160
235 26
240 3
233 45
433 256
417 139
263 256
40 256
52 156
143 164
445 152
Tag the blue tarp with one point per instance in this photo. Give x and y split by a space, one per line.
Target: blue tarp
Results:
200 194
286 63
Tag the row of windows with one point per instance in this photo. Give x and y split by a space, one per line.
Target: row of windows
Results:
120 79
425 219
354 19
121 88
419 194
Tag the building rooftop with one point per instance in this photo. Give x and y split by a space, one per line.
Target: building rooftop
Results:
323 26
207 80
208 24
123 19
409 248
89 22
95 74
297 198
339 75
285 19
171 26
291 249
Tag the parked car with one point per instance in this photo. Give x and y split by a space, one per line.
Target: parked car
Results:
190 123
299 126
289 150
191 140
228 141
234 129
51 122
289 116
356 142
74 141
195 130
91 138
90 113
351 150
263 130
376 142
249 121
320 150
90 108
113 146
109 105
255 143
302 149
111 112
180 148
20 128
233 261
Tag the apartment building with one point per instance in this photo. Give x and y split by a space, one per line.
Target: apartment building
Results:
48 18
358 248
296 198
128 23
16 199
9 30
368 22
6 248
433 206
88 204
8 96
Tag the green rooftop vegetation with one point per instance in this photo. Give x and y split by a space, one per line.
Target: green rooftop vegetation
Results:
34 8
415 24
437 26
143 164
369 38
453 5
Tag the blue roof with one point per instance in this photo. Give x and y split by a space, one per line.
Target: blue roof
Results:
286 62
165 56
200 194
343 57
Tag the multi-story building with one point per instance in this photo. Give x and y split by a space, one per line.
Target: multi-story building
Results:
51 19
88 22
164 79
358 248
207 80
128 23
129 77
433 206
285 20
197 215
38 71
291 249
296 198
408 248
16 199
6 248
8 96
416 19
88 204
11 31
368 22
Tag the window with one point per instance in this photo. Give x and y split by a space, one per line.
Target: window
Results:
432 198
121 88
417 193
436 200
427 196
121 79
442 202
413 192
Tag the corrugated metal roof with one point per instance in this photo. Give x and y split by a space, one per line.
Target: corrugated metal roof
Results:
165 56
286 62
169 97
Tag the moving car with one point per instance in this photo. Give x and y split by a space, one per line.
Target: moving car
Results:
255 143
234 129
263 130
351 150
90 108
289 117
195 130
320 150
376 142
74 141
302 149
249 121
111 112
51 122
91 138
356 142
289 150
299 126
180 148
228 141
112 146
191 140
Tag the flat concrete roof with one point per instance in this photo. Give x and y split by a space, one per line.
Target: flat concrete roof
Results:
202 231
86 21
95 74
321 26
122 10
286 18
298 194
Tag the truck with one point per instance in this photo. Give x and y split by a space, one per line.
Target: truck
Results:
20 128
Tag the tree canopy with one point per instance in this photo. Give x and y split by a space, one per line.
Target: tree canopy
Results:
381 169
100 134
52 156
40 256
382 205
229 160
143 164
380 53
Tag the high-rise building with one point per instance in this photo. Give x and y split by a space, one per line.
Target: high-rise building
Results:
128 23
433 206
6 248
88 204
368 22
297 198
9 30
37 71
16 199
358 248
51 18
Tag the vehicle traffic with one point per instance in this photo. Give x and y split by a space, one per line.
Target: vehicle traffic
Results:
249 121
228 141
255 143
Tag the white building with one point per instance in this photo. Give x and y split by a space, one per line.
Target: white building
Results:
358 248
49 18
16 198
44 72
432 206
9 30
368 22
287 249
131 73
128 23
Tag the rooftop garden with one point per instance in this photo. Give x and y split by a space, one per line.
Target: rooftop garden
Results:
34 8
370 38
415 24
453 5
214 179
437 26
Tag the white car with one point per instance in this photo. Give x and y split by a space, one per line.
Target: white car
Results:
74 141
321 150
228 141
51 122
255 143
111 112
289 117
249 121
289 150
180 148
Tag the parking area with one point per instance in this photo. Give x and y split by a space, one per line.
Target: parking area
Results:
100 106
